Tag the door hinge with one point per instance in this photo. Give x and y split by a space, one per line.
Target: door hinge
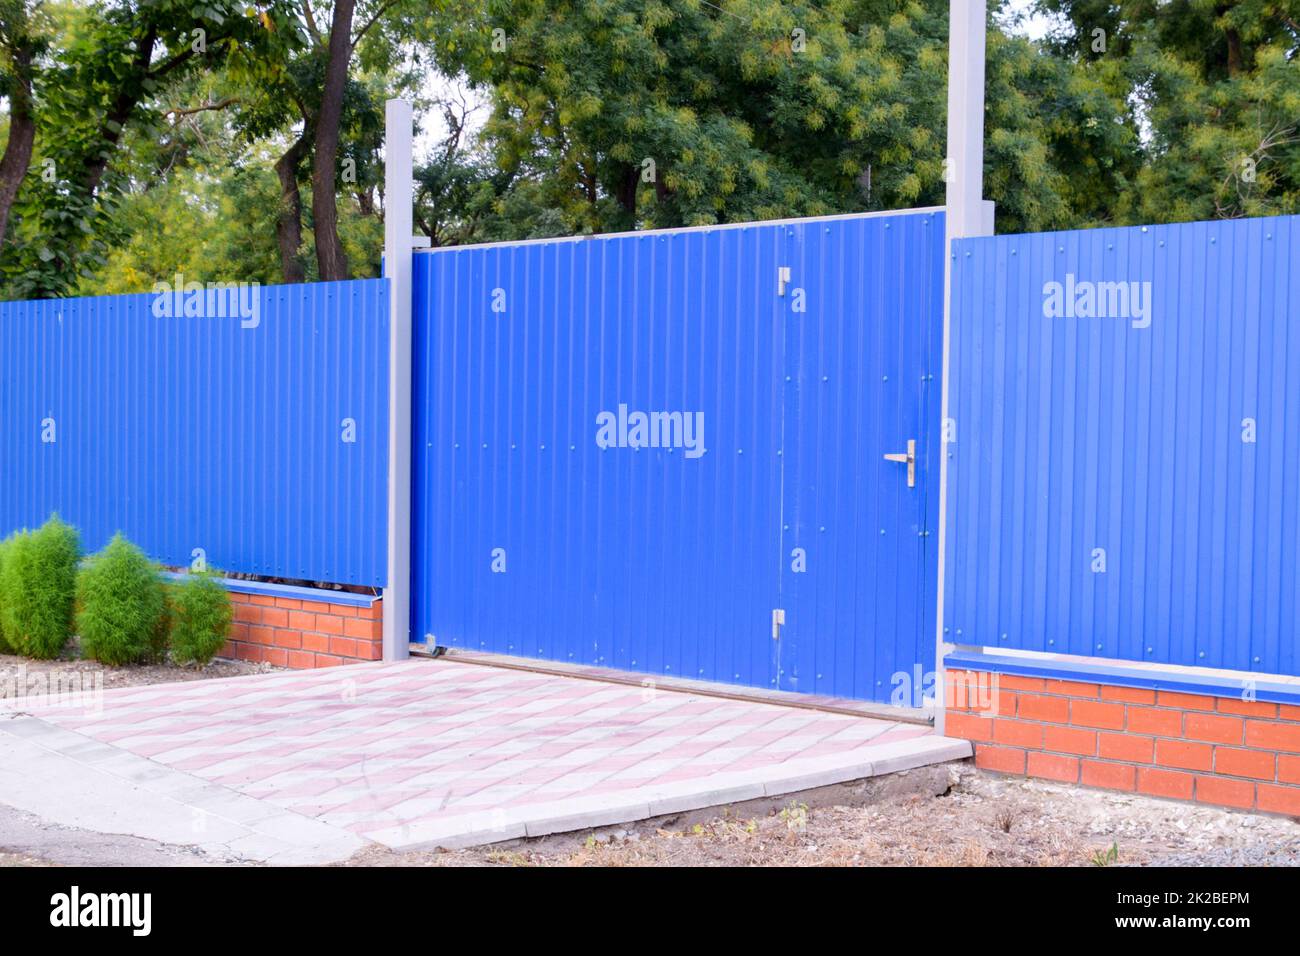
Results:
778 619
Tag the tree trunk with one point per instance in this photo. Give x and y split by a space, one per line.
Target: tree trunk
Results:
288 225
22 134
624 189
115 120
324 206
1235 57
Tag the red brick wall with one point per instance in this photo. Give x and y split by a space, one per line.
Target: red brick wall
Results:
1221 750
294 633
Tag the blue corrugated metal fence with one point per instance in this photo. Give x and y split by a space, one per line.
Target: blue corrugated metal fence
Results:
1127 413
265 446
535 536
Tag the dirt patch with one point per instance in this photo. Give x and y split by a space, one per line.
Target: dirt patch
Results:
981 820
21 675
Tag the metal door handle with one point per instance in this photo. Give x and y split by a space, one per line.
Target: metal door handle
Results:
909 457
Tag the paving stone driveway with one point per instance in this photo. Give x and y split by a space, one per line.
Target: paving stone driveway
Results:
438 752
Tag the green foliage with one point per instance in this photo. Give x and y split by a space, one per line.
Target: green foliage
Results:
621 114
38 589
755 110
200 617
5 546
1214 86
108 76
120 594
1106 857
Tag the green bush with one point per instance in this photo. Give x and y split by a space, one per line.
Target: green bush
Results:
38 587
200 617
5 646
120 592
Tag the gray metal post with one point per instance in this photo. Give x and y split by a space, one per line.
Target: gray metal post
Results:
967 215
398 213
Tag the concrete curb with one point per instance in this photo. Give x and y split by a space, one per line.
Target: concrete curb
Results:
542 819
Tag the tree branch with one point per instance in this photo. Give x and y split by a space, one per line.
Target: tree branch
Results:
179 112
383 8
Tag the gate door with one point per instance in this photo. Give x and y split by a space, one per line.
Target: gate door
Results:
860 479
621 440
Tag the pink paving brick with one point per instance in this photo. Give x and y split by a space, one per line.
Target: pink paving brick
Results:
384 745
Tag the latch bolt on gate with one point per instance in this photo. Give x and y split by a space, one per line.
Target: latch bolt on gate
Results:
908 458
778 619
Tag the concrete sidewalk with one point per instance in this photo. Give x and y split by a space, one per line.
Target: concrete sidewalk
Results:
306 766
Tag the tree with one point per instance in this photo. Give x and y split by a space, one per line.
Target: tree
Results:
619 114
1216 89
114 63
21 43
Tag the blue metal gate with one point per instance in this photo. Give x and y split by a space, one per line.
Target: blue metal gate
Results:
637 451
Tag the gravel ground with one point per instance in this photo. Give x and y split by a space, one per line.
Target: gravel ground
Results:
982 820
14 670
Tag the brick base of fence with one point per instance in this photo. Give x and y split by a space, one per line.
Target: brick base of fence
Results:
304 630
1210 749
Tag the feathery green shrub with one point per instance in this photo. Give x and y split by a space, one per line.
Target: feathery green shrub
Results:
38 586
5 646
200 617
120 593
